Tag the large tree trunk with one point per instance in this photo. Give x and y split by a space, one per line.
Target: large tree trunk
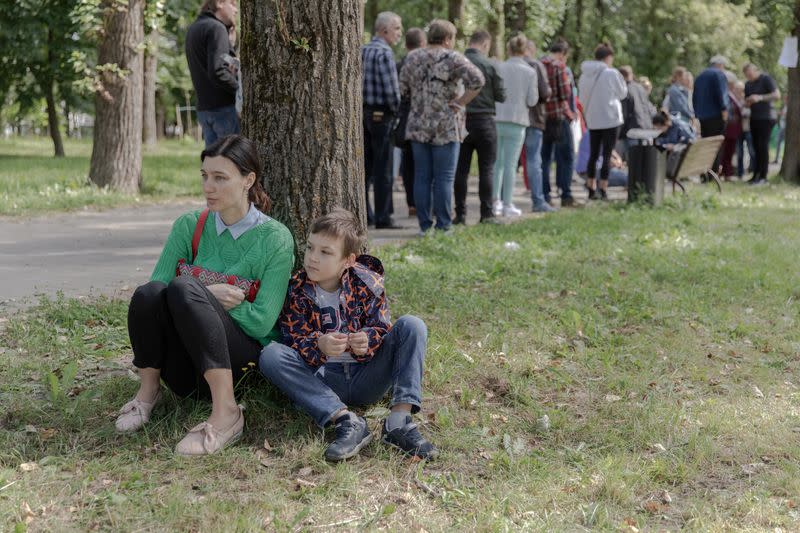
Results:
496 26
52 118
117 149
149 124
455 14
302 106
790 169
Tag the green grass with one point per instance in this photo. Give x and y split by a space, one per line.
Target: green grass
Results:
641 333
32 181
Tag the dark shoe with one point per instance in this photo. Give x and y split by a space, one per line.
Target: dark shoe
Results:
490 220
591 192
389 225
602 194
408 440
569 202
352 434
412 211
758 182
754 179
459 219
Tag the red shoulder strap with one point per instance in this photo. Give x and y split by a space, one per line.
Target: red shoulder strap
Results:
198 232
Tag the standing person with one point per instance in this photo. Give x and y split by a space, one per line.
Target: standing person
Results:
440 82
637 110
481 132
745 140
679 99
760 91
534 132
513 117
710 99
381 95
415 38
601 90
191 326
733 128
557 139
209 53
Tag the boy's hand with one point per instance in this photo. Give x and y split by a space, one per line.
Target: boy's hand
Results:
332 344
359 343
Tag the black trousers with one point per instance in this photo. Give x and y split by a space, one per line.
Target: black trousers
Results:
407 171
378 145
183 330
709 128
761 130
481 138
607 139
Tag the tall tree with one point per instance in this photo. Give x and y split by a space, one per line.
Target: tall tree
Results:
117 148
302 105
455 14
497 28
790 169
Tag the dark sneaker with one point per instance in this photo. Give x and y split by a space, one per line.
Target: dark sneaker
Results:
569 202
408 440
352 434
459 220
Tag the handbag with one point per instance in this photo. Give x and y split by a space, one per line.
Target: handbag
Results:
210 277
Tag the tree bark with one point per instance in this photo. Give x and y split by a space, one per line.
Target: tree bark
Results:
149 123
455 14
496 27
516 16
302 106
790 168
117 148
52 119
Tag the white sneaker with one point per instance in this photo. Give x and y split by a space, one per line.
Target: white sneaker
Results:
511 211
497 208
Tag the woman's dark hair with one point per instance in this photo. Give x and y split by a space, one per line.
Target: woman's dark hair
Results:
242 152
602 51
662 119
559 46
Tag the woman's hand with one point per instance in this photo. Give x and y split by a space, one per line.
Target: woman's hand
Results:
456 106
228 295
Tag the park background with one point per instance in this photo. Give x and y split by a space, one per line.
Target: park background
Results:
620 368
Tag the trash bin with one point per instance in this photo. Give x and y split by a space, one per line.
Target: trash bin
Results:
647 167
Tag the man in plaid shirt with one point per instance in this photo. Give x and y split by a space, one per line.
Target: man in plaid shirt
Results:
557 138
381 93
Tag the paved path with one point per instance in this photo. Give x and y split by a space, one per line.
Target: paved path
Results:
111 252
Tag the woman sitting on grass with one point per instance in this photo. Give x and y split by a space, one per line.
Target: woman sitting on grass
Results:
213 299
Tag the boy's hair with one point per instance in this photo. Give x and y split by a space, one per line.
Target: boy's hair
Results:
341 223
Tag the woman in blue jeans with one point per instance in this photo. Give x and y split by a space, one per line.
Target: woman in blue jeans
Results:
511 119
430 79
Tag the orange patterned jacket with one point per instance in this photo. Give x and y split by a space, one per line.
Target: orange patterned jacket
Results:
362 302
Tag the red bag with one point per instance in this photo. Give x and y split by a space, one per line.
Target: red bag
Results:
209 277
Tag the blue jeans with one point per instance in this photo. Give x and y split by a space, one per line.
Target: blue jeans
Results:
510 138
533 164
745 140
564 150
218 123
434 173
321 392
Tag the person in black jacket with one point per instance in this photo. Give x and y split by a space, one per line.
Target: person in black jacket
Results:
637 109
481 132
212 65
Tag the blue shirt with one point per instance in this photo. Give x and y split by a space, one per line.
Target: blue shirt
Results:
381 87
710 96
253 218
677 101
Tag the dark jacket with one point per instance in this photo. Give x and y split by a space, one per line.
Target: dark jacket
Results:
710 96
538 113
208 51
637 110
492 91
362 301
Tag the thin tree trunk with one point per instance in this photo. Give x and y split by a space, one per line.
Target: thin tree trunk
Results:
496 27
52 119
516 15
371 10
161 119
302 106
578 29
455 14
117 148
67 128
790 168
149 127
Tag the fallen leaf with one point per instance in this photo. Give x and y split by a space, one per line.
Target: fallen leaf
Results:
665 497
543 423
30 429
48 433
267 445
613 398
756 392
27 467
659 448
653 507
305 471
27 513
302 483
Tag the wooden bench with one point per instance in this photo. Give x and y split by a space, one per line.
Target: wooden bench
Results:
696 160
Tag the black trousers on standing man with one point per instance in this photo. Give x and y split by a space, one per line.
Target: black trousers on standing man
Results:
482 138
378 149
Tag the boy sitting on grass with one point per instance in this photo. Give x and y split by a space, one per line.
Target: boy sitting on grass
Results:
340 348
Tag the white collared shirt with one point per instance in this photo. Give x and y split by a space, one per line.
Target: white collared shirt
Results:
253 218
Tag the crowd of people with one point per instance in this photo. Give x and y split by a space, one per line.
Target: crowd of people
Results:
439 107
